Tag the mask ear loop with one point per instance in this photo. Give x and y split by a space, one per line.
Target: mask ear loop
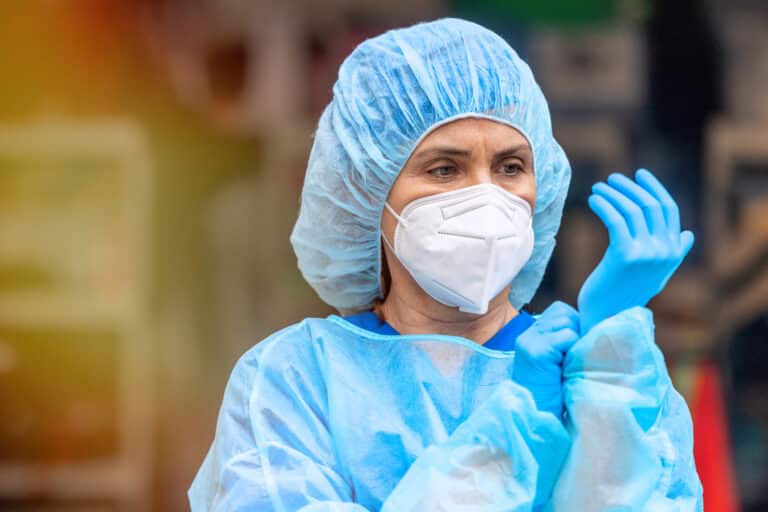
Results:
395 215
399 219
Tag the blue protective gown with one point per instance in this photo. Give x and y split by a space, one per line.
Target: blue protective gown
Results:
327 416
504 339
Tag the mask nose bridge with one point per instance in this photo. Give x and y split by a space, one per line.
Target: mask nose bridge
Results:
465 206
475 203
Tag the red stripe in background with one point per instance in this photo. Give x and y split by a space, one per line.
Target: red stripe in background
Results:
711 442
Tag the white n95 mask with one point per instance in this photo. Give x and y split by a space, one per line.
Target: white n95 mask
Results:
464 246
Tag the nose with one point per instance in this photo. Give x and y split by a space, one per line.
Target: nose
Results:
480 175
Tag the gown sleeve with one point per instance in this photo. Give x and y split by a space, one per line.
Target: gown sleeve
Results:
632 437
277 454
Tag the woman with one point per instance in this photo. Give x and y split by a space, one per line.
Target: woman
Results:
432 197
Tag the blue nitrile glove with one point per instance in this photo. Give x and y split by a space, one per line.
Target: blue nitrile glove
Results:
539 355
646 246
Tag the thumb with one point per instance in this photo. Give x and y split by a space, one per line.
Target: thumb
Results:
686 242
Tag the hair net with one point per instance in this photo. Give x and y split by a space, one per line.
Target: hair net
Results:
391 91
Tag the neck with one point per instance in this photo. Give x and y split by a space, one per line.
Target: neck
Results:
420 314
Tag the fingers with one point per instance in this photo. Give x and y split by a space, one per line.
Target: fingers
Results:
557 323
686 243
560 324
646 206
557 310
671 212
628 209
564 339
618 230
651 207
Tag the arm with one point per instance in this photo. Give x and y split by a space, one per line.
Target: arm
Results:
276 453
505 457
272 450
632 435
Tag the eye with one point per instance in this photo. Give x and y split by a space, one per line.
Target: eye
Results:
443 172
512 169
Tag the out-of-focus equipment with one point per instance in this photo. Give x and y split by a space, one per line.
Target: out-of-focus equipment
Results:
737 200
75 354
737 220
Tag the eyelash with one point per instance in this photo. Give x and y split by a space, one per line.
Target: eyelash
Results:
516 166
435 171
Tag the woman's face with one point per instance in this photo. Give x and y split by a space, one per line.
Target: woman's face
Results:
460 154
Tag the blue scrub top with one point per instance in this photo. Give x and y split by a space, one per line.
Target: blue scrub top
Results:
502 340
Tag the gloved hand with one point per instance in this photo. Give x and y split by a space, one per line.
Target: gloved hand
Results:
539 355
646 246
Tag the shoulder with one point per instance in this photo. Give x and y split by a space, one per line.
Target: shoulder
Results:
297 348
271 380
293 338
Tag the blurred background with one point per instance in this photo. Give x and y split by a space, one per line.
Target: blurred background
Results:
151 159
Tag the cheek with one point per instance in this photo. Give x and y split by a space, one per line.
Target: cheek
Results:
526 189
530 196
409 187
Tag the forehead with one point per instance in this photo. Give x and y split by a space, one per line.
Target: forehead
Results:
470 131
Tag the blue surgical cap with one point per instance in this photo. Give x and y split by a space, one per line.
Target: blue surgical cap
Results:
392 91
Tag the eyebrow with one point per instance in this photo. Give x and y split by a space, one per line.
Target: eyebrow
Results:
444 151
510 151
452 151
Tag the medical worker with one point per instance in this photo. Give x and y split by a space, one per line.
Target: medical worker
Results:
432 198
